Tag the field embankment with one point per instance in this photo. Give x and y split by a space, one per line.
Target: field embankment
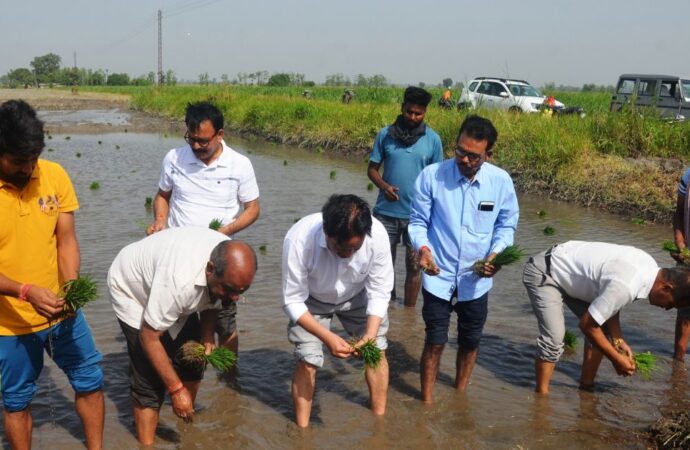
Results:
625 163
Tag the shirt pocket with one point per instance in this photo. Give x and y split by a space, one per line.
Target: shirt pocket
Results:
484 221
356 272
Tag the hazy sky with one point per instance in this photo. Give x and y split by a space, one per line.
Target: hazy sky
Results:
567 42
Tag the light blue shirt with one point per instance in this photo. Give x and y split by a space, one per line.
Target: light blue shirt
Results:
446 217
401 165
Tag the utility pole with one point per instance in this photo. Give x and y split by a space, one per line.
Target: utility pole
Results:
160 48
75 60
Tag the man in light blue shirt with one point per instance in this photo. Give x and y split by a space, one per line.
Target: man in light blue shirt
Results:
464 209
404 148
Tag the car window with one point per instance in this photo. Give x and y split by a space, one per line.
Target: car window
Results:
686 89
484 88
473 86
646 88
626 86
522 90
496 89
668 88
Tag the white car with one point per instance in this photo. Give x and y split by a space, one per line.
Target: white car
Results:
503 93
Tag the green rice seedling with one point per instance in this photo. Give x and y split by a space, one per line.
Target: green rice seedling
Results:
332 175
50 149
95 185
370 187
79 292
541 213
285 162
549 230
262 249
570 340
669 246
369 352
645 363
117 147
684 254
67 138
50 137
125 130
78 155
100 142
215 224
149 202
509 255
194 354
638 221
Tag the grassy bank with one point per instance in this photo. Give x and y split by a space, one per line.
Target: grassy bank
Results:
622 162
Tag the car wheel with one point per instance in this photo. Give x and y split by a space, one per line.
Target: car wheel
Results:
515 109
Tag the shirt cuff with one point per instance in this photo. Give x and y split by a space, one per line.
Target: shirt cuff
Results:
295 310
596 315
378 306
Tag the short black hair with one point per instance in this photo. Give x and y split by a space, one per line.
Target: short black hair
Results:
416 96
21 132
345 216
480 129
199 112
679 277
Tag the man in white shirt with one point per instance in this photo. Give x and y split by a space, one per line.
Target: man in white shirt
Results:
156 287
595 280
336 262
205 181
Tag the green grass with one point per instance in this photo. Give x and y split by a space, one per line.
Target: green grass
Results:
79 292
605 159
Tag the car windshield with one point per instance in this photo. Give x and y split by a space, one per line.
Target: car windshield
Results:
522 90
686 89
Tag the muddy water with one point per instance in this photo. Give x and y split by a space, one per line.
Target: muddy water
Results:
254 410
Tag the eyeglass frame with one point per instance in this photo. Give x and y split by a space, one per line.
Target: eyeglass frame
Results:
471 156
191 141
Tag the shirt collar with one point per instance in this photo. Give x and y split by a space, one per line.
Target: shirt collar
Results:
479 177
200 279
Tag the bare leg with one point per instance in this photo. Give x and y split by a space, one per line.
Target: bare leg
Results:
681 338
543 371
591 360
91 410
464 364
428 368
377 379
146 420
231 342
413 278
303 383
18 427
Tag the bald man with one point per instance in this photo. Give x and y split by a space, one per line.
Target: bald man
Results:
157 286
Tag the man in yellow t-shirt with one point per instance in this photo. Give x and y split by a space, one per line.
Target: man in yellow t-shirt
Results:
38 253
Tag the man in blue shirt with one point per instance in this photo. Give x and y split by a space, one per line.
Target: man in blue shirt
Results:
464 209
404 148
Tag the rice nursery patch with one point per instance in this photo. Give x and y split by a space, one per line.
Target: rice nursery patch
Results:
78 155
645 363
371 355
193 354
509 255
95 185
332 174
79 292
549 231
215 224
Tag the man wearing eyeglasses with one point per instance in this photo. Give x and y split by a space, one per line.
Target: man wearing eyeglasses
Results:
404 148
464 209
203 181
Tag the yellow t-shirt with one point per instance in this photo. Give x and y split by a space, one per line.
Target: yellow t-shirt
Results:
28 246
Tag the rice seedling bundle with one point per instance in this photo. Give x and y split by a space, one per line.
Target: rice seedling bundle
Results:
370 353
215 224
645 363
509 255
570 340
194 354
671 247
79 292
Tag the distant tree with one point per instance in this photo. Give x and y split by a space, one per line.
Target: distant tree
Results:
21 77
97 78
378 81
308 83
447 82
421 84
46 67
224 78
143 80
170 78
337 79
203 78
279 79
67 76
550 86
151 77
118 79
459 85
362 80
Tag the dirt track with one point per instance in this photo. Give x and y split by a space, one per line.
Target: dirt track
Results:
65 100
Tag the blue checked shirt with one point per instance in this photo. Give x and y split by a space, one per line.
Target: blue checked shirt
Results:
446 217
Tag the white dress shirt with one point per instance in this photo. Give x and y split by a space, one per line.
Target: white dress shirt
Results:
161 279
311 269
607 276
201 193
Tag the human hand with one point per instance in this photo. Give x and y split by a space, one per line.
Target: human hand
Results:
156 226
622 347
624 365
427 263
45 302
361 342
182 404
339 346
391 193
489 269
209 347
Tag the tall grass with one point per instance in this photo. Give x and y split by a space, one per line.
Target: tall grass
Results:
606 159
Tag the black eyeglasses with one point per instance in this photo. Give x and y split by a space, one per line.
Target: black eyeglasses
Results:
461 153
203 143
